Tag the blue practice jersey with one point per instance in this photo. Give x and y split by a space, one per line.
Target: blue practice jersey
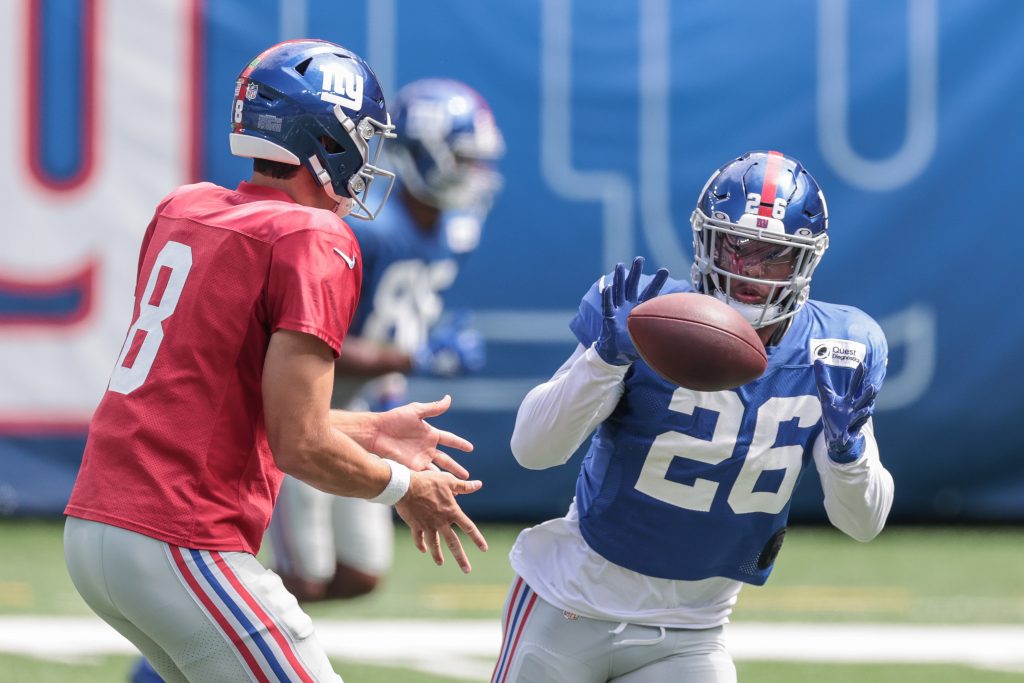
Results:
406 272
688 485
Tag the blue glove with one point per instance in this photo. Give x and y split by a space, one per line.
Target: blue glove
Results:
614 345
452 349
843 415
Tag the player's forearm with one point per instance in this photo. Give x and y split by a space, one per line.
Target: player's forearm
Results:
363 358
858 496
334 462
360 426
555 417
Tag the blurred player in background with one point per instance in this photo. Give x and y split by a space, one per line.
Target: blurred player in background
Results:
683 496
243 300
445 154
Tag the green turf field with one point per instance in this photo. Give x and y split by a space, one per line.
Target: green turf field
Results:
907 576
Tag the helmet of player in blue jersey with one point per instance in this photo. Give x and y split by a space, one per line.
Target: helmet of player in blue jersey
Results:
316 104
759 231
447 145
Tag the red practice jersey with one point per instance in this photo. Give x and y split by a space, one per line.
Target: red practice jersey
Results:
177 448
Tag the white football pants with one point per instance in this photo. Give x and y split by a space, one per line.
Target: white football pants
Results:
543 644
197 615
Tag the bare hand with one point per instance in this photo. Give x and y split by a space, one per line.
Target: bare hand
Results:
430 510
403 435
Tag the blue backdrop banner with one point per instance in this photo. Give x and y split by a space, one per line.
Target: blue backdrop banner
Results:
614 115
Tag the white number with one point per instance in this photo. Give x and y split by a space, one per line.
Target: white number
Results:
778 208
753 202
762 454
177 258
408 302
238 110
667 446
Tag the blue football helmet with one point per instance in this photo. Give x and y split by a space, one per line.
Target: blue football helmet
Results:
759 231
447 145
313 103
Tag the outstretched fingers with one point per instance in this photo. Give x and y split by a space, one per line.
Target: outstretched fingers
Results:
607 307
417 539
823 382
633 279
463 521
618 285
866 398
434 542
434 408
653 287
445 462
457 551
859 418
450 440
857 380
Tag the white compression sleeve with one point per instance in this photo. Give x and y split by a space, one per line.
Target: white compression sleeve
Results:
556 416
858 495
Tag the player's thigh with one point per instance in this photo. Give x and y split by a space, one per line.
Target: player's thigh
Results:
256 619
161 662
543 644
83 551
684 656
364 535
301 538
220 616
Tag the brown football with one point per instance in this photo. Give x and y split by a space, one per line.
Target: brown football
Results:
697 342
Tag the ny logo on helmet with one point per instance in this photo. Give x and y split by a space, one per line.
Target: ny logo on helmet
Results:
342 86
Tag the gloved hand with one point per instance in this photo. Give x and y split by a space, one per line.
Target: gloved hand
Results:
614 344
843 415
452 349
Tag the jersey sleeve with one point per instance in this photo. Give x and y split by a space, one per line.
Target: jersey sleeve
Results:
586 325
860 339
878 353
313 285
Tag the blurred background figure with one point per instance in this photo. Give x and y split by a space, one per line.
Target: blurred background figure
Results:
445 154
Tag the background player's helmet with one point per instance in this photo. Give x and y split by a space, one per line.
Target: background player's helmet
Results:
447 145
315 104
767 207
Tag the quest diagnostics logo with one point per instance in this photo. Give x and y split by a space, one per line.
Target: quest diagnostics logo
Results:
843 353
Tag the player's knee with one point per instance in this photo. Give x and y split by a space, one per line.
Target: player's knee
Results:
351 583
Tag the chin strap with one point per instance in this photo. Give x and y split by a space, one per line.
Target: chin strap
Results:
343 207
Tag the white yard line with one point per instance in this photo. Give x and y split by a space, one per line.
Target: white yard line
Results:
465 649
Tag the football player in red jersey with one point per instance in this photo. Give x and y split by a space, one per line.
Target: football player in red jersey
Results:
243 300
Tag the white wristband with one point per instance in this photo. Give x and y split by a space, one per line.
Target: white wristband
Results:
397 486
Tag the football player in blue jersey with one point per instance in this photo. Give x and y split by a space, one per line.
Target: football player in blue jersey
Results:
683 495
445 154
